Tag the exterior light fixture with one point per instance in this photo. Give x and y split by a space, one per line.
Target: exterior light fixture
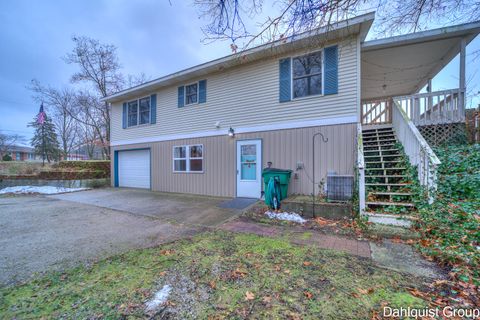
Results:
231 132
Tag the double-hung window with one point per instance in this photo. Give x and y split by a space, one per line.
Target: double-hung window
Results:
188 158
307 75
191 94
138 112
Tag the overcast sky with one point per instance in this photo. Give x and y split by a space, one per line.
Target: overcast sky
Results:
152 36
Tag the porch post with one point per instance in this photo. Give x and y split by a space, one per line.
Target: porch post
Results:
463 44
429 90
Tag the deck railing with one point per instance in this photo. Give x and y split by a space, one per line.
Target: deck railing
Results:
361 170
417 149
376 111
440 107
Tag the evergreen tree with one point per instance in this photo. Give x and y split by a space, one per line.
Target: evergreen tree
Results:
45 139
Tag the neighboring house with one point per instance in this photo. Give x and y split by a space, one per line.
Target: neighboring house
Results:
21 153
210 129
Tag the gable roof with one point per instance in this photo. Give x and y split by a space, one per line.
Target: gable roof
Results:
357 25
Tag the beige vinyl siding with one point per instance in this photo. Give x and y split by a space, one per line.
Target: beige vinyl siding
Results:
246 96
285 148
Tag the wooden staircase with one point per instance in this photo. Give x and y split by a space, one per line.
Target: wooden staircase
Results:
386 181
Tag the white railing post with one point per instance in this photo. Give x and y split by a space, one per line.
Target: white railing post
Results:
416 148
361 170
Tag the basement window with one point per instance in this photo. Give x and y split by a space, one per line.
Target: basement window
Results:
188 158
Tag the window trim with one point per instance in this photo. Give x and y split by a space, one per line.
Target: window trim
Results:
322 57
138 112
185 94
188 158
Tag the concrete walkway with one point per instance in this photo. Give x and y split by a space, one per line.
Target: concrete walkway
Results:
387 254
351 246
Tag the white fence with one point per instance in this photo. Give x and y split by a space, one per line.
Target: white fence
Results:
416 148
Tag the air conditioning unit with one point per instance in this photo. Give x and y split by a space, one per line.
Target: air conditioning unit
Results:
339 187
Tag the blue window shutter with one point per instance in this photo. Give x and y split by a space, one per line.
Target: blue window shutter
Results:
285 80
181 98
124 116
202 91
331 70
153 109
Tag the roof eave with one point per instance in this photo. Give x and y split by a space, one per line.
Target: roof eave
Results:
364 22
468 30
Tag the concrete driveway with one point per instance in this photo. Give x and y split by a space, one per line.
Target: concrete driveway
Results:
43 233
174 207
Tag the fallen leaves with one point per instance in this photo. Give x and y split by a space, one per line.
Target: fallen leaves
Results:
249 296
366 291
325 222
212 284
166 252
308 294
267 299
307 263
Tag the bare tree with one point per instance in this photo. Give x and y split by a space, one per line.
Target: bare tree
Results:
7 141
99 69
225 18
59 103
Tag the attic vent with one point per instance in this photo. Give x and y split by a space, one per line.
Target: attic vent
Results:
339 187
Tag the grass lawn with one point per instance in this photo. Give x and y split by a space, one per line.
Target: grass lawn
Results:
217 275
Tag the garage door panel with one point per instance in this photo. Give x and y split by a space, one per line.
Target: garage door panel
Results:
134 169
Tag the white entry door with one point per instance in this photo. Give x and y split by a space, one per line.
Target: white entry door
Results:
249 171
134 169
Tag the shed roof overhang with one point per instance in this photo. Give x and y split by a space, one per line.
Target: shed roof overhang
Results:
402 65
359 25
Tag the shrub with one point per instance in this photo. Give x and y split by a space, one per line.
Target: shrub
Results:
7 157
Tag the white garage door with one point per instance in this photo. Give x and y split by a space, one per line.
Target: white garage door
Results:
134 169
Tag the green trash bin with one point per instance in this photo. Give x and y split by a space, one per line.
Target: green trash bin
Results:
282 174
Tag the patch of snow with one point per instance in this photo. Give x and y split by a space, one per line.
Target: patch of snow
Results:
288 216
159 298
38 189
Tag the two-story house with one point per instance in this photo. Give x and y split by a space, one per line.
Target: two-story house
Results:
210 129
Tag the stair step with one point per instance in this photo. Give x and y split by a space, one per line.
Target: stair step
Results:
387 161
377 169
388 176
379 140
377 129
375 136
373 184
379 145
384 156
380 203
385 193
394 149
